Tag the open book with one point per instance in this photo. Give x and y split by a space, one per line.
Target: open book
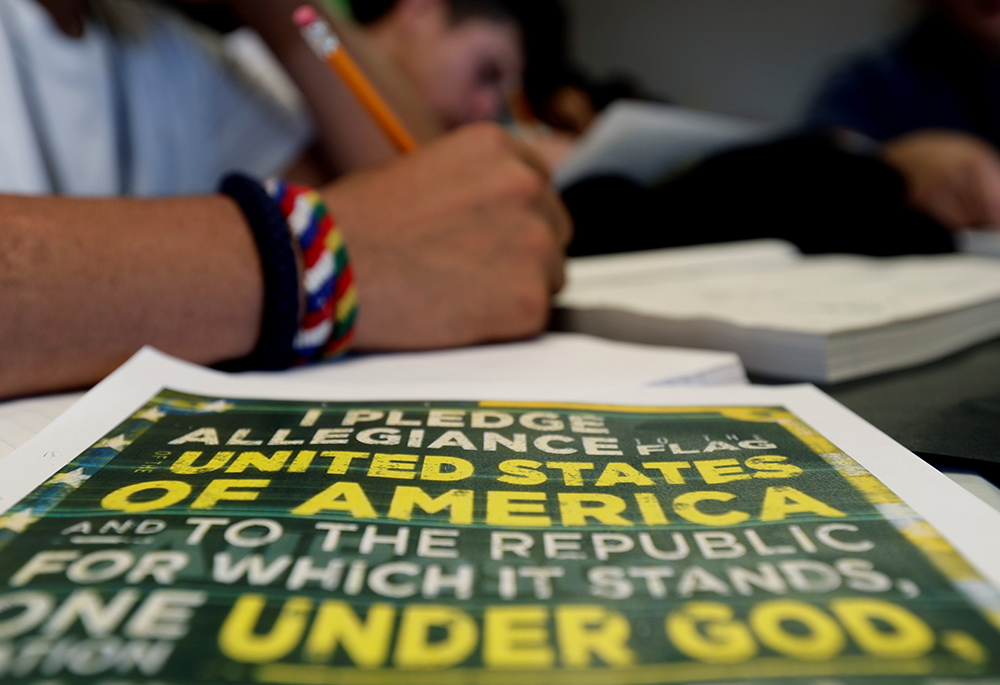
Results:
184 526
819 318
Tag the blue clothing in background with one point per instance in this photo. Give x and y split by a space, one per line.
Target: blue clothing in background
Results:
932 77
145 103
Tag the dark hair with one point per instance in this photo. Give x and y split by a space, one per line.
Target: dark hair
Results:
518 11
369 11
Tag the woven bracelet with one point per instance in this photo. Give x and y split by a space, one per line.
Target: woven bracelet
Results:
327 324
281 279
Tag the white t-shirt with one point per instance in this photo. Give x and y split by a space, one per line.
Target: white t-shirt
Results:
143 104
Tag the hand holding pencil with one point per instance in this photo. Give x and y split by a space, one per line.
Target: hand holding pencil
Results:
461 242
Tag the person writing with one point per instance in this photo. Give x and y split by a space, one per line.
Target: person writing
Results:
819 191
111 236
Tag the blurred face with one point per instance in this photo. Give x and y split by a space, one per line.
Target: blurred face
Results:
980 19
462 68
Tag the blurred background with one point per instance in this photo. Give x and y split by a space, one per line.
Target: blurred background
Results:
758 58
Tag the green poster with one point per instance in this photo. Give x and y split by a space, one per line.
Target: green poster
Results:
209 540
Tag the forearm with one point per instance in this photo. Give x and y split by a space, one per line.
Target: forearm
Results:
86 283
349 138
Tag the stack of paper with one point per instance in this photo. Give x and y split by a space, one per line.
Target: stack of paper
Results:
819 318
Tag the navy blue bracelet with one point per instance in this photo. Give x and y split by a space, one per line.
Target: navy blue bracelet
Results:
281 277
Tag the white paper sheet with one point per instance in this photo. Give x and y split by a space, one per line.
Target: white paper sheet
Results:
645 140
20 420
551 358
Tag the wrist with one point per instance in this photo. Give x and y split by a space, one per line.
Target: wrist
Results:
329 295
309 297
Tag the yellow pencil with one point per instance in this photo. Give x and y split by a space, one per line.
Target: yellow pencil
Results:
320 37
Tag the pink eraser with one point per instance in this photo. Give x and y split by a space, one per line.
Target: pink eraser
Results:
304 16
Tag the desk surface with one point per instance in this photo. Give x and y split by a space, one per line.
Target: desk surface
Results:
948 412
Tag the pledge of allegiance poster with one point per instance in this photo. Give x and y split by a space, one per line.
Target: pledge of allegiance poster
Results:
208 540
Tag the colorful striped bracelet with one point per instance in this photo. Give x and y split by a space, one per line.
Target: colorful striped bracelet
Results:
278 211
327 325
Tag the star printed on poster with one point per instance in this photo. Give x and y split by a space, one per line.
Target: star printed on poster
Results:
117 443
18 521
73 479
217 406
153 414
